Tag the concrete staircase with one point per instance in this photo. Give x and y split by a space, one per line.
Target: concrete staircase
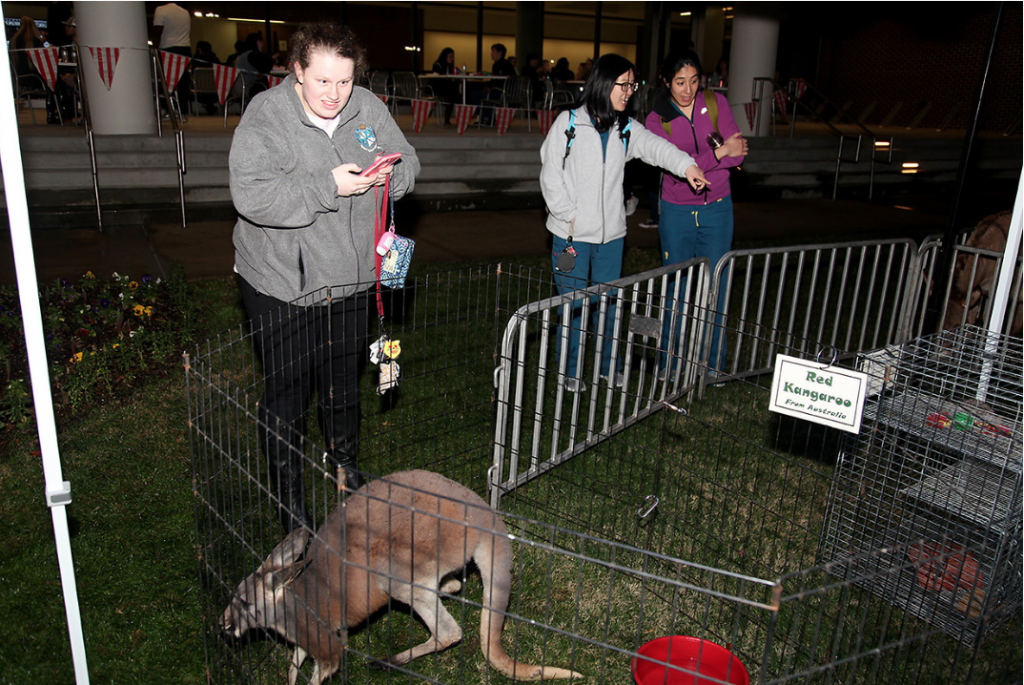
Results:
479 170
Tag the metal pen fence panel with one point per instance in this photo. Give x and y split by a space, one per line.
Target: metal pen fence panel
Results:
846 297
972 285
638 344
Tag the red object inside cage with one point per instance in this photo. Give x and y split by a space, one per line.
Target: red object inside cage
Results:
705 663
945 567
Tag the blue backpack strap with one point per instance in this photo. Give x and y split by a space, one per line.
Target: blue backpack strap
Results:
570 135
624 135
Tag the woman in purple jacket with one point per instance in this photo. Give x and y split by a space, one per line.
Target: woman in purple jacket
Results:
696 223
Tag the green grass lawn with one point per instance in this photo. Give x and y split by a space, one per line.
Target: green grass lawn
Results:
134 534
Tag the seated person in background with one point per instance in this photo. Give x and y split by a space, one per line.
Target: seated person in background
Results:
493 90
534 71
204 57
26 38
501 67
205 54
562 72
446 90
253 65
233 57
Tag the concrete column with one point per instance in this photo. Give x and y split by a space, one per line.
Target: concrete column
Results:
529 30
755 42
127 108
708 34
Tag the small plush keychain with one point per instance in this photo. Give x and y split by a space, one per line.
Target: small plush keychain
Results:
384 352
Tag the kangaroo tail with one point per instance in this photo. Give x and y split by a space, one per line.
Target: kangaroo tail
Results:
494 559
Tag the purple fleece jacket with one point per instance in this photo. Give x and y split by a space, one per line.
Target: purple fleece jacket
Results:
692 137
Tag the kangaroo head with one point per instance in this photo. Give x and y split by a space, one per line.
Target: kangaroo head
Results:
260 599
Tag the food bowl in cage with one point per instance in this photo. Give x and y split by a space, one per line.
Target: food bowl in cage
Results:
685 660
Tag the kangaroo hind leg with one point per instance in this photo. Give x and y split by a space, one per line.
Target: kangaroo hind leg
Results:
444 630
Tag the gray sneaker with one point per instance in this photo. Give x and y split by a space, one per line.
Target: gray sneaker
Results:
575 385
631 204
618 381
650 223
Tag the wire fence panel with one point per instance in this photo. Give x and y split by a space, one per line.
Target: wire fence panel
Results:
661 512
845 297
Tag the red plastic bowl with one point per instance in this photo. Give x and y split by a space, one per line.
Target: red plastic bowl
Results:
706 662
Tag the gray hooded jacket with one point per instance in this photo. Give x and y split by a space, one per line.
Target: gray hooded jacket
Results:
294 233
586 196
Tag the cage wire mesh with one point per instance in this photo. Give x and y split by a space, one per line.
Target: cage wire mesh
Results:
935 477
703 518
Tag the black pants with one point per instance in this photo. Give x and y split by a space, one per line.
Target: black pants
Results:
304 350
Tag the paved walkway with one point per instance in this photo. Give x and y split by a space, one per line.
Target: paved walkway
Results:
205 250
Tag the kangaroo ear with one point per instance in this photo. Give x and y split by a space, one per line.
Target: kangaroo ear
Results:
288 550
289 573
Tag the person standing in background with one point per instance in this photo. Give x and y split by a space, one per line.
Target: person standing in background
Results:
583 159
60 34
172 32
697 222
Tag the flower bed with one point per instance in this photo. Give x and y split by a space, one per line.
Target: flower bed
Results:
104 337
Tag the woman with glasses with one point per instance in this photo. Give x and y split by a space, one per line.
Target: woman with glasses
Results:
696 222
583 161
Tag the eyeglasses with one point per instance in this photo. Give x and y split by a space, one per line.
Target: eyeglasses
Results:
630 87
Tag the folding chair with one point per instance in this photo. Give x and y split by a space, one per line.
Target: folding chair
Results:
204 89
29 87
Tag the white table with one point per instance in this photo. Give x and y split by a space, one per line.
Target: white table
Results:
462 79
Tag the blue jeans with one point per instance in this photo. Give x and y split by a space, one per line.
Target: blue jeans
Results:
689 231
595 263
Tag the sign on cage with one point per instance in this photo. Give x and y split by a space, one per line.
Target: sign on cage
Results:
823 394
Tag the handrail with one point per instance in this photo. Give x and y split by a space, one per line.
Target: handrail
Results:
69 54
795 89
160 79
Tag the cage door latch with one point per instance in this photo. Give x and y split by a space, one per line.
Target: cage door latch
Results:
650 503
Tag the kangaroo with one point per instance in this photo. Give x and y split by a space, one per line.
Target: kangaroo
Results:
974 277
398 537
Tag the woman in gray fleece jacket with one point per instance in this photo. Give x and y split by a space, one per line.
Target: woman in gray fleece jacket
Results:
583 161
304 248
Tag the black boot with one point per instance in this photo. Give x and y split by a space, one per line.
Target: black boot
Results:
342 455
284 460
345 471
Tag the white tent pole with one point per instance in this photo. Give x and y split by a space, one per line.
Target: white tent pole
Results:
1003 290
1004 283
58 491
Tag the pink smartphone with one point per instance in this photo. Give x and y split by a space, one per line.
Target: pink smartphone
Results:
379 163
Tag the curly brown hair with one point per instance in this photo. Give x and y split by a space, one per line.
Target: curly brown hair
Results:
329 37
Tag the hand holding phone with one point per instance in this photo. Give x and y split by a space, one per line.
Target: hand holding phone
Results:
379 163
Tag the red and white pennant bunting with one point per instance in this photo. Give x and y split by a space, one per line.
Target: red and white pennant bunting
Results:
463 115
45 61
223 77
781 100
420 112
174 66
545 117
751 110
502 118
106 63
